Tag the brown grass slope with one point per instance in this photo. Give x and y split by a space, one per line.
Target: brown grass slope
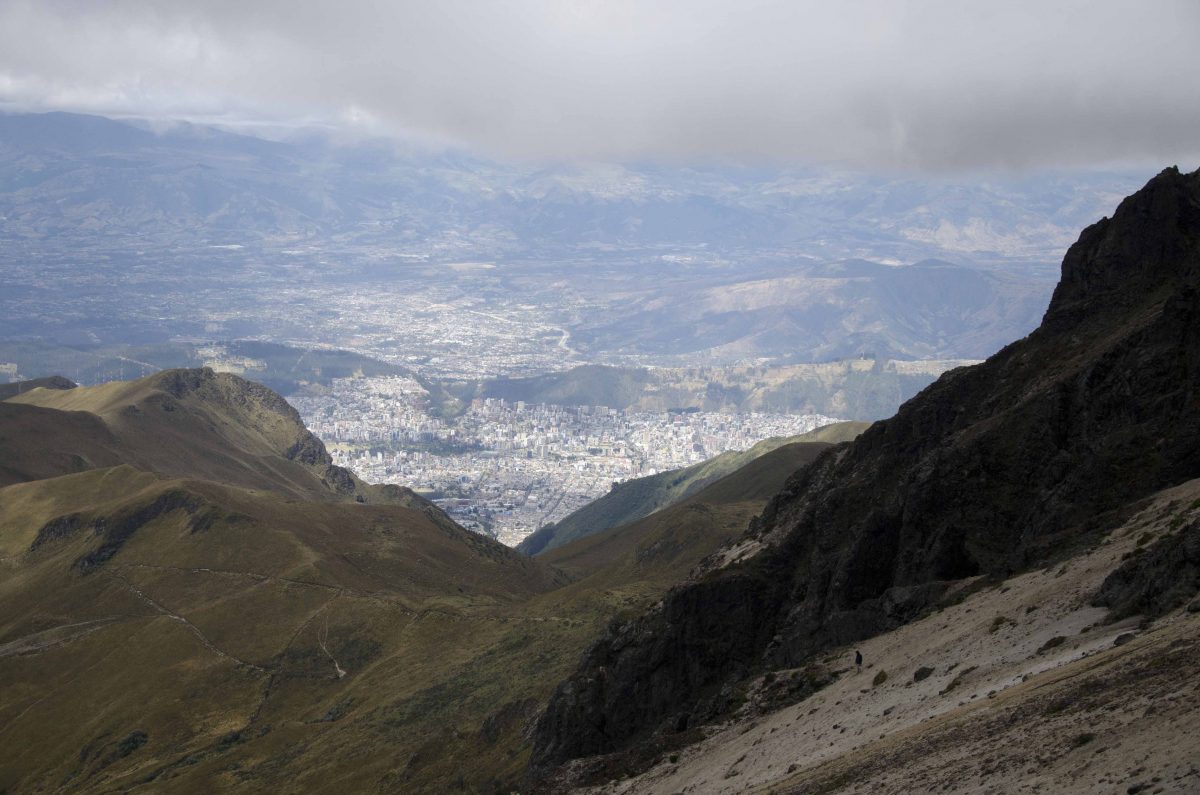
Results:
188 604
204 425
50 382
186 584
41 443
149 624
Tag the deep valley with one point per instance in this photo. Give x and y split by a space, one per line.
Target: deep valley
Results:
195 596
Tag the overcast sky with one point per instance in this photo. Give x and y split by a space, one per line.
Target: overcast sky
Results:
873 83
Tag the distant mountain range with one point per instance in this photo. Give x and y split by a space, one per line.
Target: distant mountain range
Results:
817 313
186 231
283 368
864 389
70 174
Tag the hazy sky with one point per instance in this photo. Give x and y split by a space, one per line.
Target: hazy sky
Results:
876 83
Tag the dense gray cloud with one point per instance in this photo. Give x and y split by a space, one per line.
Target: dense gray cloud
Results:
937 84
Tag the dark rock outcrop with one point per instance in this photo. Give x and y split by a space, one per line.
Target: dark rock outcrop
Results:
250 399
1157 580
991 470
116 530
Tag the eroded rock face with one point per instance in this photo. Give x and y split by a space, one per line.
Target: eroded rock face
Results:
991 470
638 675
1158 580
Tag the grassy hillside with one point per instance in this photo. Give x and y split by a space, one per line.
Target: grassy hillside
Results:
50 382
160 629
42 443
188 603
663 547
640 497
186 424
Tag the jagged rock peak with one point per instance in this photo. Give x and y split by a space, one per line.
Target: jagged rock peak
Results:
206 383
182 381
232 390
1151 241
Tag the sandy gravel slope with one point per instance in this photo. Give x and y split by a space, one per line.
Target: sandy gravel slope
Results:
1029 692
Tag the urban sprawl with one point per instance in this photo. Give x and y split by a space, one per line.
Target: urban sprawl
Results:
506 468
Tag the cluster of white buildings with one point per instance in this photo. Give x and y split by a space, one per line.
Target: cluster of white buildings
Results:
506 468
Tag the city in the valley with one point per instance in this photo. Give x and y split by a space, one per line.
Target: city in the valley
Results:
507 468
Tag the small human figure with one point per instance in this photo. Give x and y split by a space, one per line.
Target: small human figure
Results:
858 659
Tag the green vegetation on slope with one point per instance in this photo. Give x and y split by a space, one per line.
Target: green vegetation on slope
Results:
232 630
185 607
640 497
663 547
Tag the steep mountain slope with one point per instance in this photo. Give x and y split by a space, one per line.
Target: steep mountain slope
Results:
993 470
664 546
1019 686
633 499
190 601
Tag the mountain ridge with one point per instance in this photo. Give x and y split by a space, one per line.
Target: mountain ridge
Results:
47 382
990 471
234 430
679 535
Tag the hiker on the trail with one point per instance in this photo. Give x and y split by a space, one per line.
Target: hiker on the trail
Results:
858 659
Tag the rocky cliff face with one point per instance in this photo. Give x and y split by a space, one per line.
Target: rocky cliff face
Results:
993 469
262 407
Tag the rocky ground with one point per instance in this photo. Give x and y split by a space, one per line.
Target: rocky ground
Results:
1020 687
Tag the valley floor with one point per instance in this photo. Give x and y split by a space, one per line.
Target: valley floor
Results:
1021 687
